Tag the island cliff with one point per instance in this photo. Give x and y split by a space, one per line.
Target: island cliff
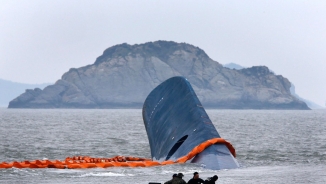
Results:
125 74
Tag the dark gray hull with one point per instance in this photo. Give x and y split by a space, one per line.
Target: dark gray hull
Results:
176 123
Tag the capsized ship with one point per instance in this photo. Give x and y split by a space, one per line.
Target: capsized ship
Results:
176 122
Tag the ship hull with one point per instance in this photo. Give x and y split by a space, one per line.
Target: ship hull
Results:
176 122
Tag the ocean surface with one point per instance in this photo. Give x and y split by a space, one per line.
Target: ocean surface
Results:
273 146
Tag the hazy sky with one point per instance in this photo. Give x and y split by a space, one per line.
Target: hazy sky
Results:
40 40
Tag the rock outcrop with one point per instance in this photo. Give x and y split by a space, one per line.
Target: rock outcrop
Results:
125 74
10 90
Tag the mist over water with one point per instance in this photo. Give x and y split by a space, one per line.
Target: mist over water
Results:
272 146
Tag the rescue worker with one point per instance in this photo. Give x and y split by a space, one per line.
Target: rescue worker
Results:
174 176
176 180
211 180
196 179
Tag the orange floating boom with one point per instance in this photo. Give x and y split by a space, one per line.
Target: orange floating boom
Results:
84 162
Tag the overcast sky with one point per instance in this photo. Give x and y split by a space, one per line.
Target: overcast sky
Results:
40 40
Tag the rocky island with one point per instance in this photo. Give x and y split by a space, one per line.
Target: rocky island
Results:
125 74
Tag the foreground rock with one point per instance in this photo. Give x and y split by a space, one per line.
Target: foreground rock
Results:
125 74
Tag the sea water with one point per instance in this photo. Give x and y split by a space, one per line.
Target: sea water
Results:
273 146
